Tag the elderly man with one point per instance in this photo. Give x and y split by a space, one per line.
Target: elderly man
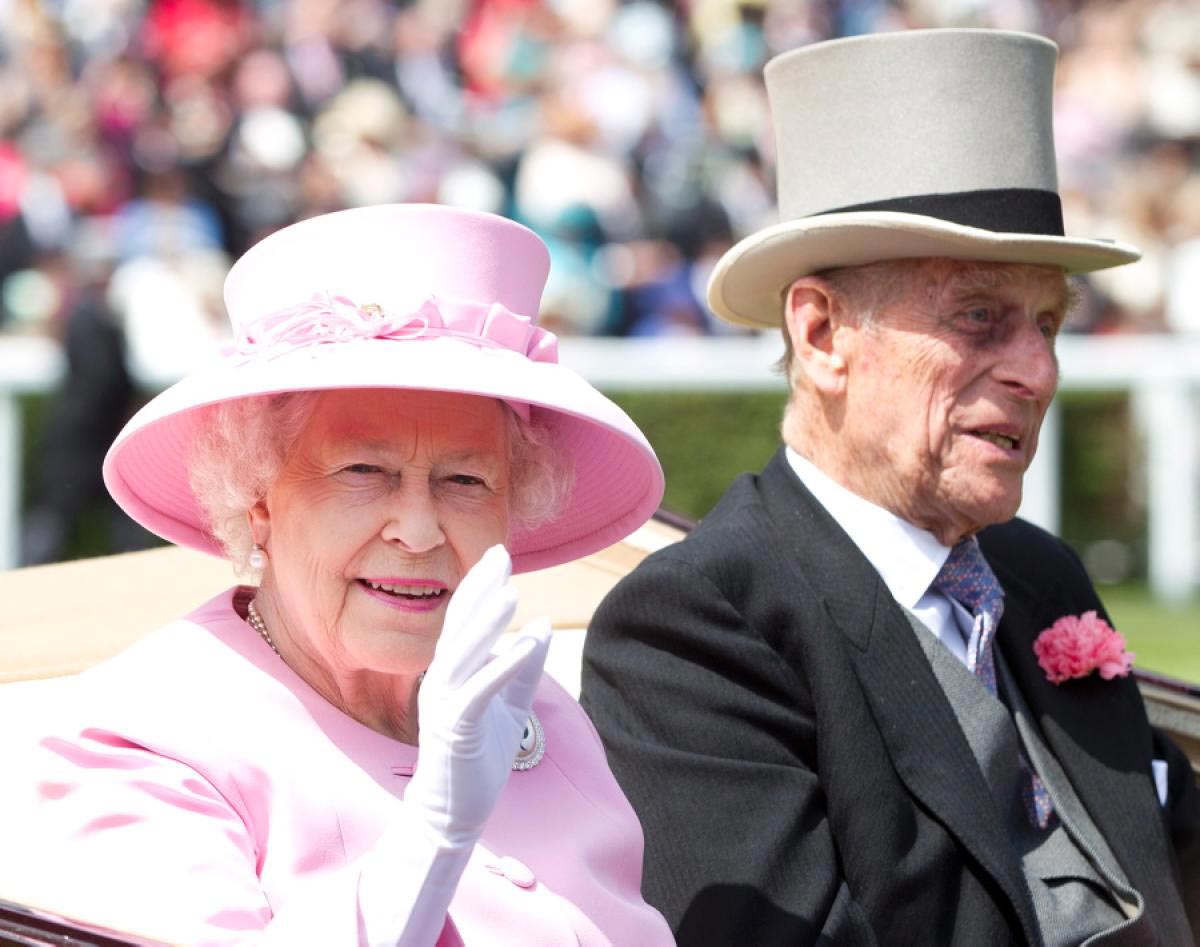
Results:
802 699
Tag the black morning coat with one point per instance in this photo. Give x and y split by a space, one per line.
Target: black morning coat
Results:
799 773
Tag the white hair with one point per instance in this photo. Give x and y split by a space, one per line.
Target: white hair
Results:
243 444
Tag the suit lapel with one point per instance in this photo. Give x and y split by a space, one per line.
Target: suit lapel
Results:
914 717
1105 765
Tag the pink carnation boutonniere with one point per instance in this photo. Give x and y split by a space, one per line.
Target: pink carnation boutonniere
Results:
1074 646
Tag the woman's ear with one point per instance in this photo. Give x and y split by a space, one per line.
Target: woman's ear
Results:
259 518
810 313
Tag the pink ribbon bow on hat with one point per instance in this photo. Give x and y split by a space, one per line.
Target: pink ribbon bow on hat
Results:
328 318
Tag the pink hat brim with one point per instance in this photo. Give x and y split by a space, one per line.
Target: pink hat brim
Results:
618 482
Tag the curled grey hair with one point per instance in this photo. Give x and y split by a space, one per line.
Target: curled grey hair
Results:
242 446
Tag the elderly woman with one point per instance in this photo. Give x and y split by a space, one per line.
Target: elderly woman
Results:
334 755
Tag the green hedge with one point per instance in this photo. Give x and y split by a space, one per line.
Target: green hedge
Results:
705 439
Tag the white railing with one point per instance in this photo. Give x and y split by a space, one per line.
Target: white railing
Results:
26 365
1161 373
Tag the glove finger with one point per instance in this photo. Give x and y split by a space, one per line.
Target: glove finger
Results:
526 655
464 648
520 690
479 611
491 572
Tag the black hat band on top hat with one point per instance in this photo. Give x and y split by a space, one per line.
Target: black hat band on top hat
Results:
1000 210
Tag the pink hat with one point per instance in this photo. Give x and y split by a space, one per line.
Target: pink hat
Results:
407 296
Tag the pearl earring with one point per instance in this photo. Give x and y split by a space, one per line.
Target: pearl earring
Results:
258 558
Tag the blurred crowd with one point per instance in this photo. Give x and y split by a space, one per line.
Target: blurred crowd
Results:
144 145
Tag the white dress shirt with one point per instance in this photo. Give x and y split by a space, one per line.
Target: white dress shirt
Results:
907 558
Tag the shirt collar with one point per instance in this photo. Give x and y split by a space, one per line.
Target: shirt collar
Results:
907 558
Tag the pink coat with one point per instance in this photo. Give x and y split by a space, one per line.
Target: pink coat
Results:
208 792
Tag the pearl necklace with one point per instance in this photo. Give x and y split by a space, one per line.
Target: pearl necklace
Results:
255 621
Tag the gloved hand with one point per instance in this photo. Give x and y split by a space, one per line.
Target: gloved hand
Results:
472 710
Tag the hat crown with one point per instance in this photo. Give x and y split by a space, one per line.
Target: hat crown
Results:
869 120
392 258
923 143
397 297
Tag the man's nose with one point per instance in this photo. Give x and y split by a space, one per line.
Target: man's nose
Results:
1030 367
412 520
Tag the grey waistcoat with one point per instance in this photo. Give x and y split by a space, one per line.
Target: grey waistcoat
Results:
1078 891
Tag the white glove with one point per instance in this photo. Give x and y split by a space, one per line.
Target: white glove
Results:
473 710
472 713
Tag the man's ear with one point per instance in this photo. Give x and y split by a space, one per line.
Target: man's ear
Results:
809 313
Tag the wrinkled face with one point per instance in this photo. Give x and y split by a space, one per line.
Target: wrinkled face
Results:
946 391
385 501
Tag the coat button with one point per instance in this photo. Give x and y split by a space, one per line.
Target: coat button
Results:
508 867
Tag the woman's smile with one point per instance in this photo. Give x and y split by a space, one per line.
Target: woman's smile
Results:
412 595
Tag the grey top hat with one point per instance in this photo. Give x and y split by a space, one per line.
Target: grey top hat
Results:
927 143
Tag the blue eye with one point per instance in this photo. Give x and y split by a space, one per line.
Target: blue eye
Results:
361 469
465 480
979 315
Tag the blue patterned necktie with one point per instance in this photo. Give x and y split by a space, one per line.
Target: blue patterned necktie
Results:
967 578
